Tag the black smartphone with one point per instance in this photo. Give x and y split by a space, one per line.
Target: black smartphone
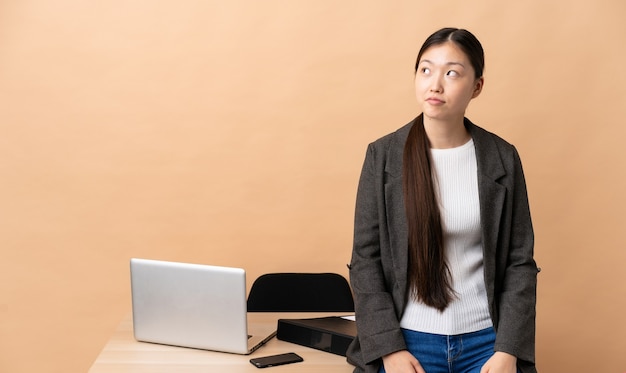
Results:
271 361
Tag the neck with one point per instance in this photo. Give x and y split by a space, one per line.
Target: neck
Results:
445 134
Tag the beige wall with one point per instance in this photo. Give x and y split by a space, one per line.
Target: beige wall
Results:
233 132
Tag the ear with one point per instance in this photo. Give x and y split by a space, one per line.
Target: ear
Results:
478 87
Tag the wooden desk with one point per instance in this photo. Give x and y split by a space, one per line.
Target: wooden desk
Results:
123 354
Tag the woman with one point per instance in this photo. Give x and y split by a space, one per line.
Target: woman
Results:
442 266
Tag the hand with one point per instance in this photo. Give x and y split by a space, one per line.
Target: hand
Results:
401 362
500 362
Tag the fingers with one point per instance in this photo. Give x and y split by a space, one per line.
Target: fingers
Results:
418 367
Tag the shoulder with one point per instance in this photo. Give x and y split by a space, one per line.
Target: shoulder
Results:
393 139
490 144
386 153
486 137
496 157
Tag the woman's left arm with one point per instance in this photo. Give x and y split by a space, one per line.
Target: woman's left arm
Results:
518 295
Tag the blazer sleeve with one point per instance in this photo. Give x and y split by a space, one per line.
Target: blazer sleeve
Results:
518 292
378 329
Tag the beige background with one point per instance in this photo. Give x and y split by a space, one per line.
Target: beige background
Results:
233 132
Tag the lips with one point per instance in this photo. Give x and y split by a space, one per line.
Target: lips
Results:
434 101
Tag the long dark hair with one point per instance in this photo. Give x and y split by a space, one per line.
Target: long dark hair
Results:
429 276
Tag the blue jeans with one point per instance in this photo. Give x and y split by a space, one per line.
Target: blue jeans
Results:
463 353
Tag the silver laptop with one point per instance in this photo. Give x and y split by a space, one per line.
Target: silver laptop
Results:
193 305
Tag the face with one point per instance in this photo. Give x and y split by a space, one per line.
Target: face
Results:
445 82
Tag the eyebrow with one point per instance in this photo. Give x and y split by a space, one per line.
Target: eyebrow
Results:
447 63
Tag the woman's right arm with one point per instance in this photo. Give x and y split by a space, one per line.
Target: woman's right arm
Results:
377 323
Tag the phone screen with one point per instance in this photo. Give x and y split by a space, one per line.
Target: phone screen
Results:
270 361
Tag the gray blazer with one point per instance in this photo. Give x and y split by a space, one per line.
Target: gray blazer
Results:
378 268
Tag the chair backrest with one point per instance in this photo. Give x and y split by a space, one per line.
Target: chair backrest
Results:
300 292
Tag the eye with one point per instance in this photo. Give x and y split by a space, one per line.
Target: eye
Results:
425 70
452 73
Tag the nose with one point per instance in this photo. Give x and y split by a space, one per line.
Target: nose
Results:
435 85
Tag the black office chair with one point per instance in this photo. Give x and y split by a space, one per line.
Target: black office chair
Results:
300 292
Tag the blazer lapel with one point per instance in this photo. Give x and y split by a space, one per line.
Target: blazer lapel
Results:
394 201
491 195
